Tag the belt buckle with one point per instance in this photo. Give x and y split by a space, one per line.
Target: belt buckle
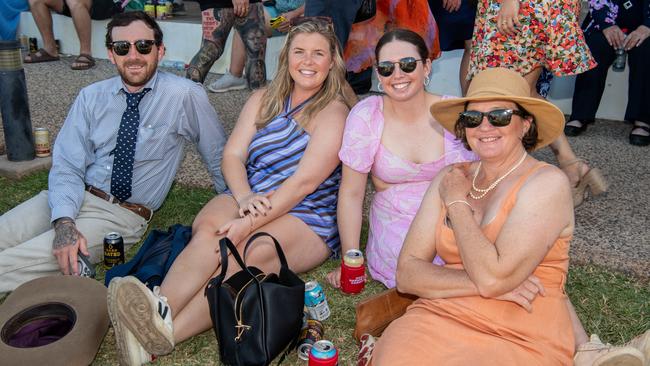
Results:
627 5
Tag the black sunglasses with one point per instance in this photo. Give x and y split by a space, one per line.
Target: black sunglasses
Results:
497 117
406 64
121 48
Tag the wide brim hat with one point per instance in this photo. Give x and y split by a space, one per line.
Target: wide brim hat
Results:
503 84
60 298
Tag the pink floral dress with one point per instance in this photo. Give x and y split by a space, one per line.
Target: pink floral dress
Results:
392 210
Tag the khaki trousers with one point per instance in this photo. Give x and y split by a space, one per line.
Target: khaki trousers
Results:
26 236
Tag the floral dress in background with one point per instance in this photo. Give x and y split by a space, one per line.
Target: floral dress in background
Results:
549 37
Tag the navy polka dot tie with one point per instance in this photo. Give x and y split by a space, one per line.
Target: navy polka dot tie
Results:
124 152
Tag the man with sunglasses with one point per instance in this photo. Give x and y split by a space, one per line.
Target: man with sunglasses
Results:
114 159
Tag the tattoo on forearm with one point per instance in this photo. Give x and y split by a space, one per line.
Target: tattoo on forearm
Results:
65 234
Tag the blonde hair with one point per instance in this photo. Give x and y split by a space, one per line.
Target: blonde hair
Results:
272 102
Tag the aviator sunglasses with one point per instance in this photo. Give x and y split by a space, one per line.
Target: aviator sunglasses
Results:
497 117
121 48
406 64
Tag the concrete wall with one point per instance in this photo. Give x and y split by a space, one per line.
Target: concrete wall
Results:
183 40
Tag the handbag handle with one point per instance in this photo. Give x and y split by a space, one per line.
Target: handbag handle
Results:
278 248
226 244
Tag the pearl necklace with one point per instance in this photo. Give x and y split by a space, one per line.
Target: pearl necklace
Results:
484 192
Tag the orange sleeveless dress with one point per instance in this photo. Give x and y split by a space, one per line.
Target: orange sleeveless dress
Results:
474 330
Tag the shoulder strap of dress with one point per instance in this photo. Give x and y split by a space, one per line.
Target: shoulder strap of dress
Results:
298 107
520 182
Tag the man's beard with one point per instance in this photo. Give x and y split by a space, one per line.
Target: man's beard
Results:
139 80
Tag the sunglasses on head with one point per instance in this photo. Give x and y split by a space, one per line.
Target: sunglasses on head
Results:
319 20
406 64
121 48
497 117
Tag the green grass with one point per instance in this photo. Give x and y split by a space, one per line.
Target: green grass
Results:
610 304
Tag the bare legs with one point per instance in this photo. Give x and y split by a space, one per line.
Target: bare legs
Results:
80 13
561 148
41 12
184 284
464 67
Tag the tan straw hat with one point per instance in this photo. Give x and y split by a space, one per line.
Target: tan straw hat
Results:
503 84
55 320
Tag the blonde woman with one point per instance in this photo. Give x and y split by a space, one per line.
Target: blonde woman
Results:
282 168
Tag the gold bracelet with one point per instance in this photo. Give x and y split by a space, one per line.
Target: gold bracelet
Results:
460 201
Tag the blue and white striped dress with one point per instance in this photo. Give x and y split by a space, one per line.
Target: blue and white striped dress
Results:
273 156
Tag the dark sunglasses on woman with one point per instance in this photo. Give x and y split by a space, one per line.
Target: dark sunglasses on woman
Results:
406 64
497 117
121 48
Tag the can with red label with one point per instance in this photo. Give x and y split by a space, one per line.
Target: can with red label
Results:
323 353
353 272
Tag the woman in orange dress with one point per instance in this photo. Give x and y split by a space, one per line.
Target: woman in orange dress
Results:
503 226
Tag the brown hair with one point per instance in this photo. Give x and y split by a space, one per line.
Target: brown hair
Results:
126 18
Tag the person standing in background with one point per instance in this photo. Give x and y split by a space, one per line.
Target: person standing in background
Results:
611 26
217 19
234 79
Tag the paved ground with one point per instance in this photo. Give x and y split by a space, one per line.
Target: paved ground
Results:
612 230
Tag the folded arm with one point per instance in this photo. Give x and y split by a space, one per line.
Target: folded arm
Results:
415 272
318 162
542 213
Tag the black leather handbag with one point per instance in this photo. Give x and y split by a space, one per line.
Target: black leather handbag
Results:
255 315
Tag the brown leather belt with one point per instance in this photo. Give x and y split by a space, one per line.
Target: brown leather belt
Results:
139 210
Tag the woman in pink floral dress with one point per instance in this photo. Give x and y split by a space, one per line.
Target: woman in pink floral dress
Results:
395 140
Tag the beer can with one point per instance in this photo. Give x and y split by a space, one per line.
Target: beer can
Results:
42 142
161 11
312 332
323 353
150 9
353 258
24 43
33 45
113 249
353 272
315 301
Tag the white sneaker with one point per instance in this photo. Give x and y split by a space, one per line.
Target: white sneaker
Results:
227 82
144 313
129 350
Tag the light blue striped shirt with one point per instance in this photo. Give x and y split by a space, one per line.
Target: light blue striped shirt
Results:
176 109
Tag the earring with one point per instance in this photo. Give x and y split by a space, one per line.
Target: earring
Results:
427 79
379 87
